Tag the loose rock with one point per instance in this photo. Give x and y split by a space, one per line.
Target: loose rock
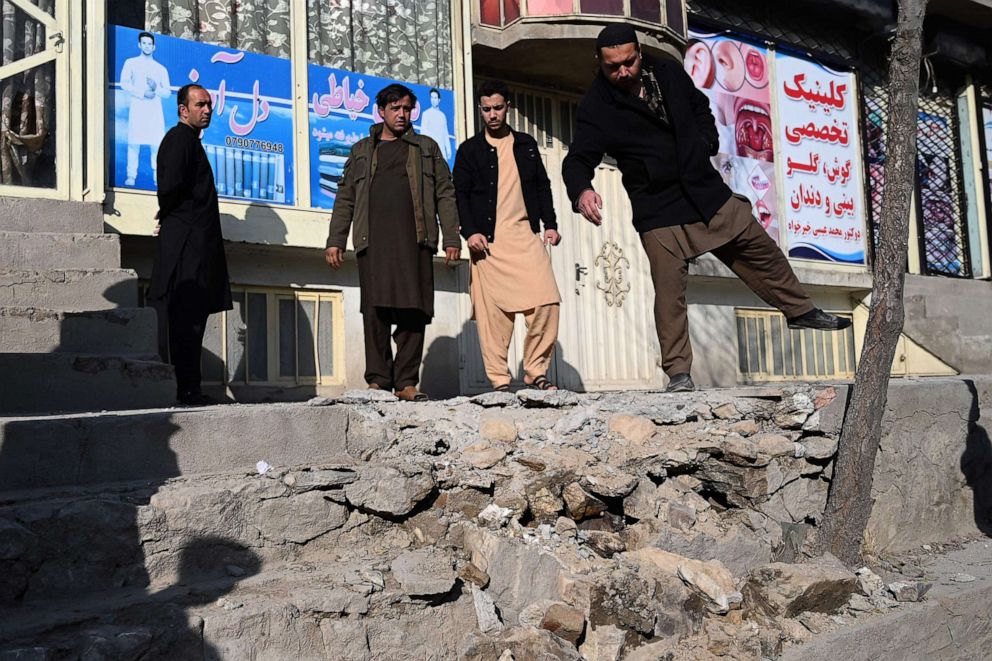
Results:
498 429
633 428
784 589
547 398
581 505
565 622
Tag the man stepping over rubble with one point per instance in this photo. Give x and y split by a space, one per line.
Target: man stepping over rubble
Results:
646 113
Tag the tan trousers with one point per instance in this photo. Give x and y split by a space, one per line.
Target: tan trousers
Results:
496 330
749 252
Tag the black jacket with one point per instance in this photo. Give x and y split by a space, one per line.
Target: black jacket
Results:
189 250
476 182
666 168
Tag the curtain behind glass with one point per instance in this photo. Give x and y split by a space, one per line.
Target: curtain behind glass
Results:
407 40
27 101
258 26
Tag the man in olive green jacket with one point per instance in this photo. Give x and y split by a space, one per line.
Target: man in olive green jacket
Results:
396 188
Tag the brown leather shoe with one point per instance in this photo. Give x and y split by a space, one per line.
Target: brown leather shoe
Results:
411 394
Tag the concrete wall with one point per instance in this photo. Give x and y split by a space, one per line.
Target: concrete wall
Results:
933 473
952 318
281 266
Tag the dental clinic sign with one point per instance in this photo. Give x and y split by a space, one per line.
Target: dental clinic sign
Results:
789 142
819 161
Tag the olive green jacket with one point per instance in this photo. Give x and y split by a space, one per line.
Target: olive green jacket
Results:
430 187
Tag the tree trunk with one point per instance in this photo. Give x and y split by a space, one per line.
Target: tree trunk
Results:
849 503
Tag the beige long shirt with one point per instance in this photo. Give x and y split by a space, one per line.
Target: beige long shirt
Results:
516 274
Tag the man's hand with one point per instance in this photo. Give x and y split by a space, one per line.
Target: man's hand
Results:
452 255
158 224
477 243
589 205
334 257
551 237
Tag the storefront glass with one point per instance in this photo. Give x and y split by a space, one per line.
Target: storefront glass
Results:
242 53
356 51
27 98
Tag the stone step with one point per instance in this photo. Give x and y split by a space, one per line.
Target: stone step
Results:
118 331
286 611
53 250
68 451
27 214
141 531
59 382
69 289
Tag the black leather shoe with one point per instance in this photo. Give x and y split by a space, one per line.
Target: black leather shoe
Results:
194 398
680 383
819 320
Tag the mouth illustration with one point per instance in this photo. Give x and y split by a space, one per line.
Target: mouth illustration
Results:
764 213
753 130
755 64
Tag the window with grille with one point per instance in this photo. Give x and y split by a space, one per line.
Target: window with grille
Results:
770 351
276 337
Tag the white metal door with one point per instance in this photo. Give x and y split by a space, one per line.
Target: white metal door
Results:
606 336
34 111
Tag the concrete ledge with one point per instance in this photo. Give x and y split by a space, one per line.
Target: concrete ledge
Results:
53 382
41 250
69 289
953 624
54 451
27 214
113 332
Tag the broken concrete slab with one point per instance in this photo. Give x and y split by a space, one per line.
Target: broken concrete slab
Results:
390 490
424 572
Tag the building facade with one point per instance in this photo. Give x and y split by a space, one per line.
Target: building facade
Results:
85 96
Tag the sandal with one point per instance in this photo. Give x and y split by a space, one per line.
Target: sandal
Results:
542 383
411 394
503 388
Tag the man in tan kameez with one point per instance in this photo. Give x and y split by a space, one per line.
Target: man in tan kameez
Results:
504 195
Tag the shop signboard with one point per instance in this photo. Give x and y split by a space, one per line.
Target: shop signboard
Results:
819 161
734 75
250 138
342 109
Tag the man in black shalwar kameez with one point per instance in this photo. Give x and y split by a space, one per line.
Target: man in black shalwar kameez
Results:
189 276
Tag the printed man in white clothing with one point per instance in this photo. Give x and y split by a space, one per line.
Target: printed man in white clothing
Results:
434 124
147 83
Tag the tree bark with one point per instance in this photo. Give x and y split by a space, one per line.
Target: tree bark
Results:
849 503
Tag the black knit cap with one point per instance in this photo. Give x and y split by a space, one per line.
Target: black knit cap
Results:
616 34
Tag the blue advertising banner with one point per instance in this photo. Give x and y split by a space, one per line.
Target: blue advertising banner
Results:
250 138
342 108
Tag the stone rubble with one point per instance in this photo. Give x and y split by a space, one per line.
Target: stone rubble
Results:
535 525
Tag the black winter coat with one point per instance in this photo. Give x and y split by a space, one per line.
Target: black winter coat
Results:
666 167
476 183
189 251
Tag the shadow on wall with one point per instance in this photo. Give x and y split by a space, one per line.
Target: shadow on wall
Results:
86 565
976 462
